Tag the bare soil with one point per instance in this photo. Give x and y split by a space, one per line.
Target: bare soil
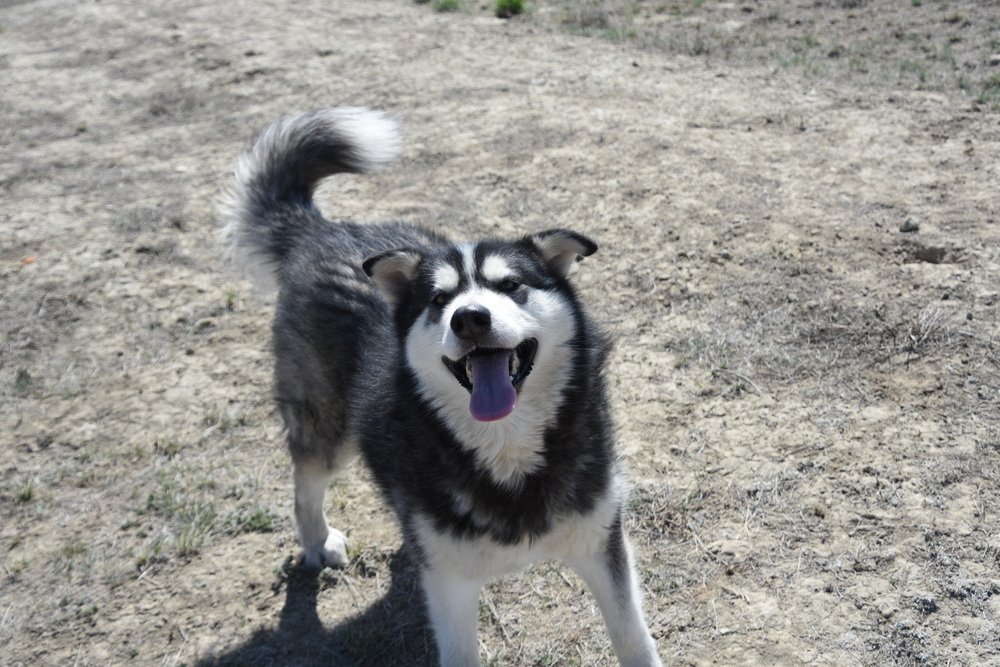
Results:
808 396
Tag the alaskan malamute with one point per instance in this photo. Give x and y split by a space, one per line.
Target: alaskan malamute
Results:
467 374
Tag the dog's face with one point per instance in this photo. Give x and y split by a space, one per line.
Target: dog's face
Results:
487 322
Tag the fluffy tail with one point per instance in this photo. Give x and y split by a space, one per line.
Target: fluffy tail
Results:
276 178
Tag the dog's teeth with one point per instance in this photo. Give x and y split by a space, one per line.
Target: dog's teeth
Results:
515 366
468 370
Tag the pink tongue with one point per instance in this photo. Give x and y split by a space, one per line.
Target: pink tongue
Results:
493 395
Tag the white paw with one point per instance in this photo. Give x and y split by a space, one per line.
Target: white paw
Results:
332 553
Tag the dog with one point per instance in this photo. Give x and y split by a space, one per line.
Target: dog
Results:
468 376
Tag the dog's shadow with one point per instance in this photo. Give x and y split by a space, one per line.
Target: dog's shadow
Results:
393 630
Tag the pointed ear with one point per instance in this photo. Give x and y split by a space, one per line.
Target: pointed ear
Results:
392 272
562 248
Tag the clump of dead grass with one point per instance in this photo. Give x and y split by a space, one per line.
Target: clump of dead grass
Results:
759 336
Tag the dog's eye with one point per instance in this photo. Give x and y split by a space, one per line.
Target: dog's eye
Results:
439 299
508 285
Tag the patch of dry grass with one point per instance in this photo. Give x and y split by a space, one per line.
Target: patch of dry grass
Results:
930 45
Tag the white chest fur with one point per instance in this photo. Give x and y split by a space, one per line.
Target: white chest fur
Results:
482 558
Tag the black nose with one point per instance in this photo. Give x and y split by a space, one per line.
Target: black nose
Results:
469 322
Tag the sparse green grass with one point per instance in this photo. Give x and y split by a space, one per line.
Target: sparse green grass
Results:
909 67
26 491
131 452
151 553
192 512
15 567
84 478
226 419
163 501
446 5
508 8
167 446
600 22
858 64
87 611
198 519
68 559
249 518
989 92
188 542
236 491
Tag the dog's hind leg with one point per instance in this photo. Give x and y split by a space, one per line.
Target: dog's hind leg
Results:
611 577
321 545
320 446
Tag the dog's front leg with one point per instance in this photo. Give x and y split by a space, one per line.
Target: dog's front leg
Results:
453 607
612 578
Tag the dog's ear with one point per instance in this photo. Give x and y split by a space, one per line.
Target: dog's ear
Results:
562 248
392 272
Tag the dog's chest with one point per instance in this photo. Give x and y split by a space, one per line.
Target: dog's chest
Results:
481 557
508 450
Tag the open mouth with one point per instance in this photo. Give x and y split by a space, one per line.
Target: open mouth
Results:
494 377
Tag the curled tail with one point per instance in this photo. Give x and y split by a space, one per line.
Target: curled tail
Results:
276 178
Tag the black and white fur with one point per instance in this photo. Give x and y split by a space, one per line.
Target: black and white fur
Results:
373 327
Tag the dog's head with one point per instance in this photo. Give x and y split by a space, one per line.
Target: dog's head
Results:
479 318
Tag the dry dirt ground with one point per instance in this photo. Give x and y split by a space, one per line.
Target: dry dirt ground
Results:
808 397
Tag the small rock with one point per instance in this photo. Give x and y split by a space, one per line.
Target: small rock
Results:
886 607
911 224
930 254
204 323
849 641
925 603
738 550
995 59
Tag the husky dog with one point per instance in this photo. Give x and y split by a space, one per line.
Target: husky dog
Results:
466 373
